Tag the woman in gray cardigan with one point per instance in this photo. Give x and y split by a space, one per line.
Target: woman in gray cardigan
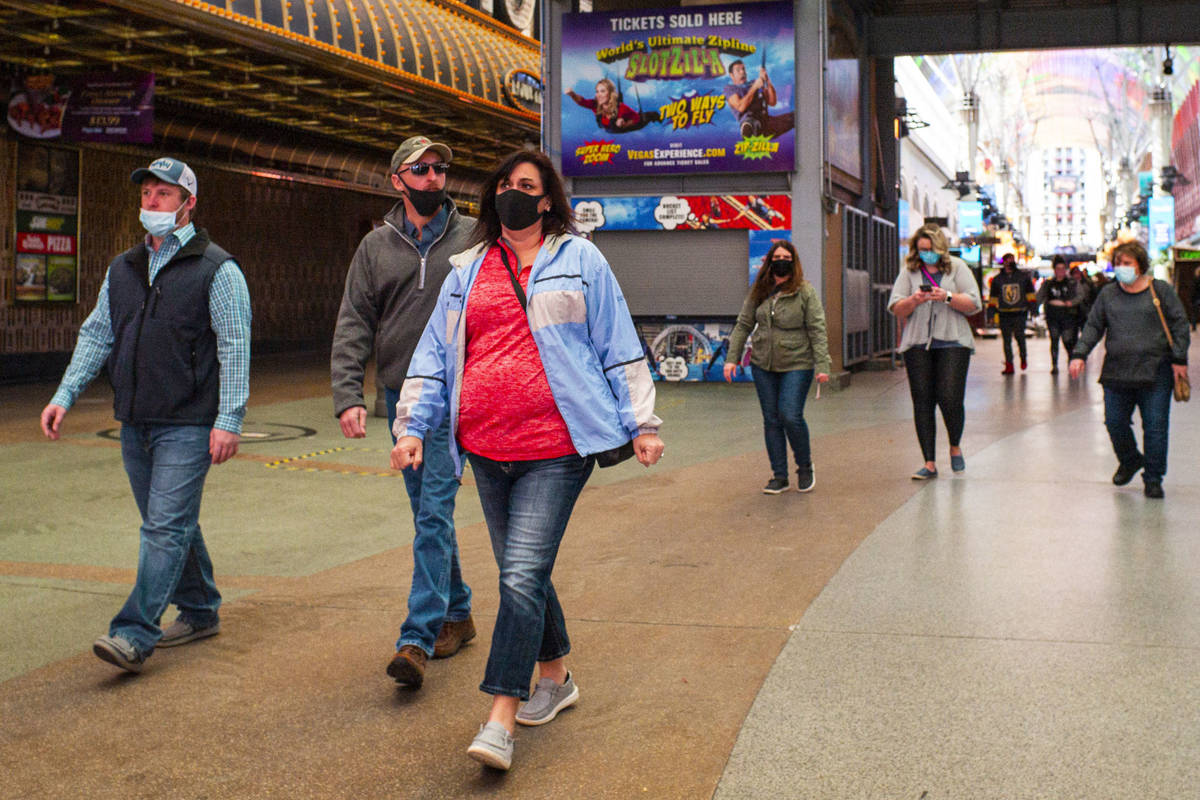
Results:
934 295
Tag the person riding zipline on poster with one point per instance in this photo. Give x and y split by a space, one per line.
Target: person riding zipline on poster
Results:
749 103
611 113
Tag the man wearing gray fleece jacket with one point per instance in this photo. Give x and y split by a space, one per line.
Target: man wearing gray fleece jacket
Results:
391 289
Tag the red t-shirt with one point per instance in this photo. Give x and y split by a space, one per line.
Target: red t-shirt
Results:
506 411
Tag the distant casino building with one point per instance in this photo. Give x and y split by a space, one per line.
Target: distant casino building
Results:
287 109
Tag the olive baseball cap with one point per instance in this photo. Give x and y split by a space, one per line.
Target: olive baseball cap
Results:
414 147
168 170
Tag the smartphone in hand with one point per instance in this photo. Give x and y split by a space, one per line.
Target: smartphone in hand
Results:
926 287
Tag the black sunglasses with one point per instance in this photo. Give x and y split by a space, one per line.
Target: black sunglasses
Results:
422 167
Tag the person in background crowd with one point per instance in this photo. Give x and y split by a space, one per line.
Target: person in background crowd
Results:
172 325
1087 290
934 296
1140 366
533 357
789 347
391 289
1011 297
1060 298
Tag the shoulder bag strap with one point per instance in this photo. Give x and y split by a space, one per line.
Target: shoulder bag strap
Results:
1161 318
516 283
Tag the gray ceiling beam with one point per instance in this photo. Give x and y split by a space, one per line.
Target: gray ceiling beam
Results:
1120 24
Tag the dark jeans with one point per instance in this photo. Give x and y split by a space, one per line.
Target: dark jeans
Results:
1012 325
527 505
1065 328
937 378
166 465
781 396
1154 404
438 593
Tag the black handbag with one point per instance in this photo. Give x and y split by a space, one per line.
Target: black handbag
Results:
610 458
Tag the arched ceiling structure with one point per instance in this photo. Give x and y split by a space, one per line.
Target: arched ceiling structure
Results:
1063 97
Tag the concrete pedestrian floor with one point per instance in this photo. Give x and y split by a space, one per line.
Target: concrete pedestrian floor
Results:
1022 630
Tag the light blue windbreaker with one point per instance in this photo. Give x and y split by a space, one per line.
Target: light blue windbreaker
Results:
591 352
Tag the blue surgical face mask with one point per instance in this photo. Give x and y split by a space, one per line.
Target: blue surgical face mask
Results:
1125 275
159 223
929 256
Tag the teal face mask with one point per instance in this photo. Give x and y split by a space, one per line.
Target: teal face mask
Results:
1125 275
929 256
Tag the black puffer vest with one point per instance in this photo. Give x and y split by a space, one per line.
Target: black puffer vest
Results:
163 364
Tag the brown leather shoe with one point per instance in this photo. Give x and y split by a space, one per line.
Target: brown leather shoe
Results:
408 666
453 636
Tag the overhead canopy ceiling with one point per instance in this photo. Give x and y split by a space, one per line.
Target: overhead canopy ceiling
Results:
361 73
910 27
1073 97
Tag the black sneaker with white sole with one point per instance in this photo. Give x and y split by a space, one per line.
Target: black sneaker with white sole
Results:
776 486
806 479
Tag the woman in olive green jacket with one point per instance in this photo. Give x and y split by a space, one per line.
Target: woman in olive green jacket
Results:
788 347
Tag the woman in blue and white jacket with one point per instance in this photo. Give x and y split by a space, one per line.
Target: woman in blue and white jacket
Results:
532 353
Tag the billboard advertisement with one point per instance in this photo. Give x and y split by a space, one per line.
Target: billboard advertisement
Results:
1162 223
101 107
970 223
683 213
46 254
679 90
111 107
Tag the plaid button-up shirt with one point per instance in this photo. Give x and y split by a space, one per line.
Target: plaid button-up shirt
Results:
229 314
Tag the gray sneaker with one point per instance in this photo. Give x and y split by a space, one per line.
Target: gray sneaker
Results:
492 746
180 632
548 699
119 652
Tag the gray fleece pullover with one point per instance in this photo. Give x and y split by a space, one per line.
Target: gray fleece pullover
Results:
391 291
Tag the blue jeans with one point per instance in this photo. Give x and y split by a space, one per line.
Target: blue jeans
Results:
527 505
782 396
1154 403
438 593
166 465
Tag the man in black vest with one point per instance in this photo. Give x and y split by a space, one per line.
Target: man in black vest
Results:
172 326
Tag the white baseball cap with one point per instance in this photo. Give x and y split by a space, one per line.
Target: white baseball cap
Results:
168 170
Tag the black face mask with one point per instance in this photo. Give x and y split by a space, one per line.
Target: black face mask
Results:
518 210
781 267
426 203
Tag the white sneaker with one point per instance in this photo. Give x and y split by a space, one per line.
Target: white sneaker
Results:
180 632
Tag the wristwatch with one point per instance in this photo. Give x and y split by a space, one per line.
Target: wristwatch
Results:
948 296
